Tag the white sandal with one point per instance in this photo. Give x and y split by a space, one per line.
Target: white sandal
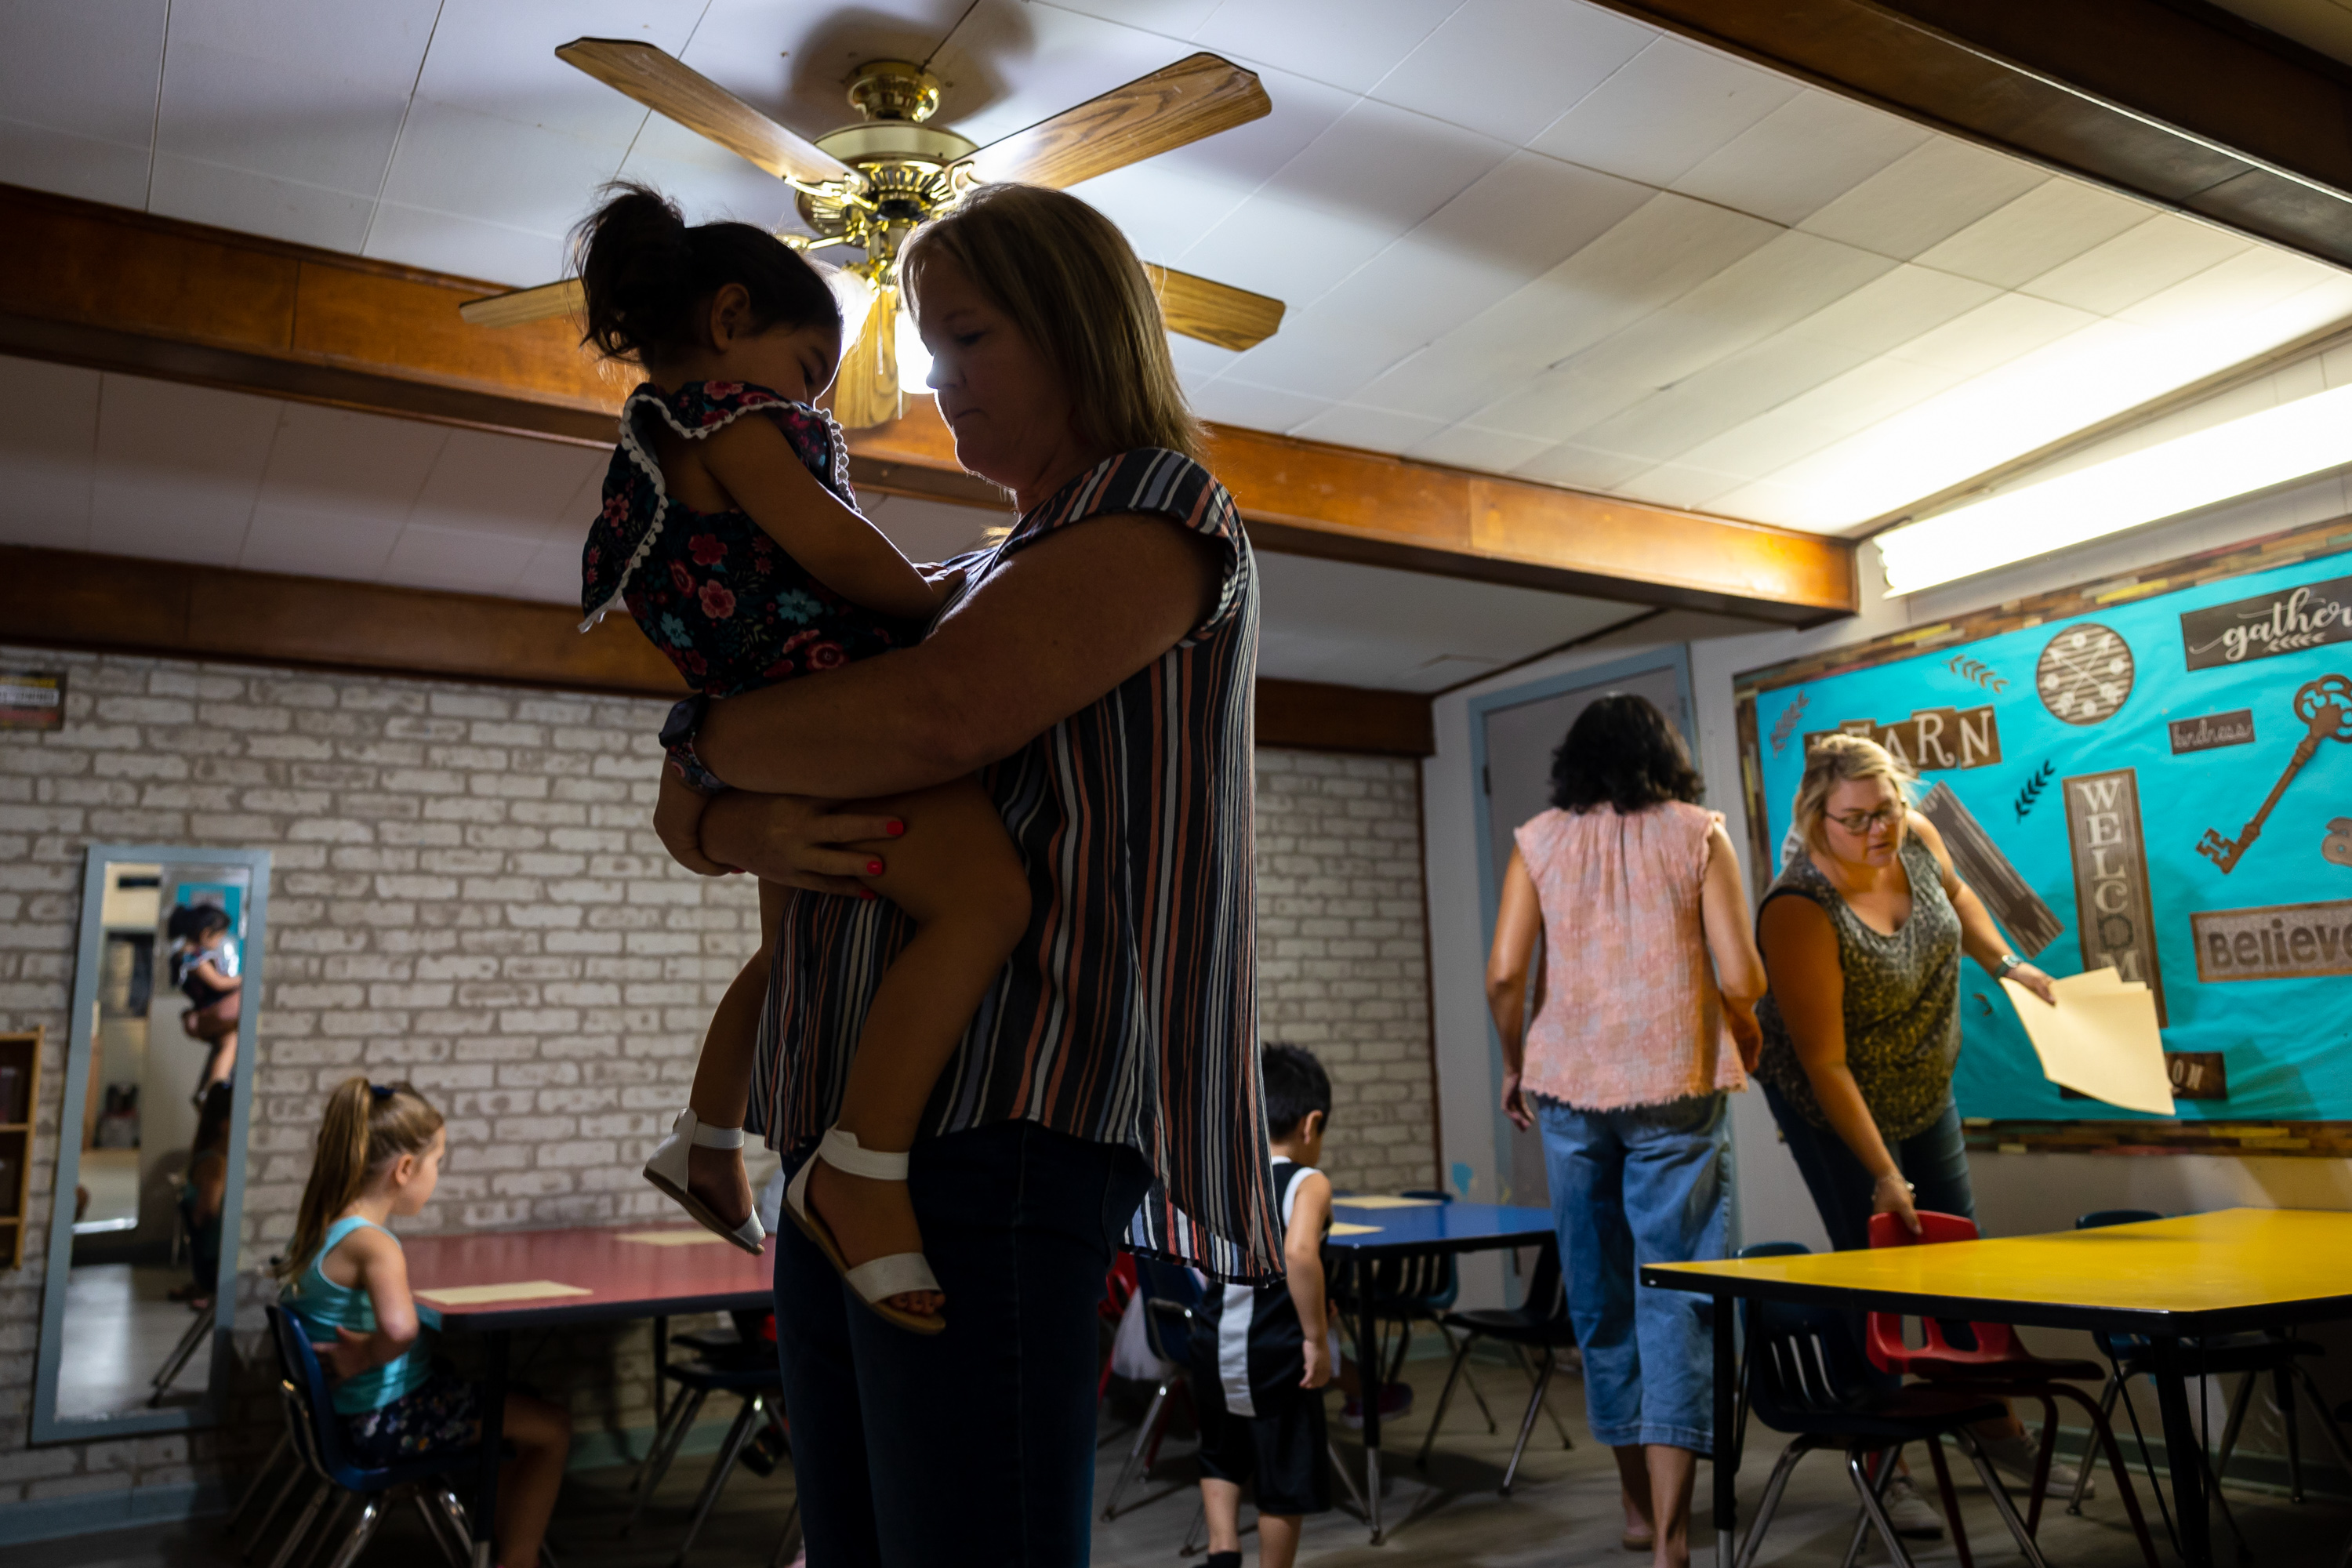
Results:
894 1274
667 1170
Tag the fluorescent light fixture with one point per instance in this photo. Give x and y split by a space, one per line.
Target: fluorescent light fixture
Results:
2254 453
914 359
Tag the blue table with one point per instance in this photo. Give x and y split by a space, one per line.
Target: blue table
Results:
1434 1230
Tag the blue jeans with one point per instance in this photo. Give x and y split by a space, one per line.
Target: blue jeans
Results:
1935 1162
975 1445
1649 1185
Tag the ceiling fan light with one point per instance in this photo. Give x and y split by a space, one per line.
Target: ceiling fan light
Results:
914 359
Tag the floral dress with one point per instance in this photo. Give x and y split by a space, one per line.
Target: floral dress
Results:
730 607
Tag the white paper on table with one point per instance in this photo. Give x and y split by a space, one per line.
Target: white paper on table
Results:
1386 1201
696 1237
2101 1039
491 1295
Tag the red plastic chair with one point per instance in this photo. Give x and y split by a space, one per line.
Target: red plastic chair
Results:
1997 1365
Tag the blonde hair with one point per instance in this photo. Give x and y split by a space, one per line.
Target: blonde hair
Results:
1071 283
1834 760
363 1133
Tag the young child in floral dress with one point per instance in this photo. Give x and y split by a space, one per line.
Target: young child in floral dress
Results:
730 533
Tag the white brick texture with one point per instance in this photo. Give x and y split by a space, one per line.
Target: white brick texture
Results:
467 894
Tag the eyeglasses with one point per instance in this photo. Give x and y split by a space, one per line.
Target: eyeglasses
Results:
1861 823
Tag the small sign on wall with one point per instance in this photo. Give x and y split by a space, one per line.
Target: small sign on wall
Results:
32 698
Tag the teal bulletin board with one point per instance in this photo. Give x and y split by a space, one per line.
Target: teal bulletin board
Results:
2099 762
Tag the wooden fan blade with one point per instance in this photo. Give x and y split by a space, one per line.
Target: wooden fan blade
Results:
524 305
1194 98
1215 314
678 92
865 393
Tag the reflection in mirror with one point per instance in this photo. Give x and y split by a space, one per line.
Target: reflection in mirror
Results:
155 1168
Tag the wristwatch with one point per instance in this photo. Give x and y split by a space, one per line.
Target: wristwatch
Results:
2009 961
678 733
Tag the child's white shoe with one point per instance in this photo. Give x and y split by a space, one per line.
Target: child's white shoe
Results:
896 1274
667 1170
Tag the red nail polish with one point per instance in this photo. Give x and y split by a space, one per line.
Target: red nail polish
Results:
873 867
895 828
868 893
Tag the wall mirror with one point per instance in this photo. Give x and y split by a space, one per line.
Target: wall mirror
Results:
142 1289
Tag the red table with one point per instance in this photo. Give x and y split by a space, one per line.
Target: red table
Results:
625 1280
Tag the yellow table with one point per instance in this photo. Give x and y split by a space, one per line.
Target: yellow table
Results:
2169 1279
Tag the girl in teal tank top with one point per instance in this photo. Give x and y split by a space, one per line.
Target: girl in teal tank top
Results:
379 1155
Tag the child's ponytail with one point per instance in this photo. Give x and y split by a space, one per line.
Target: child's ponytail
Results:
366 1127
644 272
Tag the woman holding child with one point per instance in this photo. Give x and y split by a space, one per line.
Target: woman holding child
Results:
1093 671
1641 1021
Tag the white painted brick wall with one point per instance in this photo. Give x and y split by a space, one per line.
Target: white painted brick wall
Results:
468 894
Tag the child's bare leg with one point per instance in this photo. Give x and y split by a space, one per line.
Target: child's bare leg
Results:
1222 1502
542 1434
722 1078
1278 1539
956 875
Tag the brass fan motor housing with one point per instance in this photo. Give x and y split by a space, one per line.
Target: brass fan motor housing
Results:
894 90
904 166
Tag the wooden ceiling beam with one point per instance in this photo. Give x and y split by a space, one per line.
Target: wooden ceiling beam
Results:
2177 101
66 598
99 285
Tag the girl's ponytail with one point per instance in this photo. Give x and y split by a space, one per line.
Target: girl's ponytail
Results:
366 1127
644 272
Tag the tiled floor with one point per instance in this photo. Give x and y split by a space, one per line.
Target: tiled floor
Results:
1562 1513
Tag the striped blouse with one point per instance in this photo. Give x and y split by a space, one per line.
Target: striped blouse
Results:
1129 1012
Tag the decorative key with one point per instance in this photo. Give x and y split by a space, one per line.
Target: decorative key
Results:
2326 705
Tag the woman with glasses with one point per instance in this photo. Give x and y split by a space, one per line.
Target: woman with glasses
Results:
1862 934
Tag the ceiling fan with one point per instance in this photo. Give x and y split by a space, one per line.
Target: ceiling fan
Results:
866 186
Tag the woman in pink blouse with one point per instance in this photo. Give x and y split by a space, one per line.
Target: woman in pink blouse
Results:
1643 1017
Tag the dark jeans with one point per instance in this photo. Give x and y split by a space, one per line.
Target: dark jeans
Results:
1935 1162
975 1445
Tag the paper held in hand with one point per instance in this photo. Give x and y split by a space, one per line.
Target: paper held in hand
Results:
2101 1039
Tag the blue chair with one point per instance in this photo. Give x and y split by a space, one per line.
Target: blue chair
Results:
1806 1375
1409 1290
1541 1322
1170 1295
318 1436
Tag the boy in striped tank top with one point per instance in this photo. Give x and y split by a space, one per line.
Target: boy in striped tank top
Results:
1262 1353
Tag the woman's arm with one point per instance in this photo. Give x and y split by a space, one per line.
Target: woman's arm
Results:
1518 925
210 1179
209 972
756 465
1066 621
1800 958
1979 937
1731 943
382 1272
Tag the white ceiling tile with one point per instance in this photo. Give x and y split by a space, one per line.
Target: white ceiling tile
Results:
1775 285
1469 447
1515 223
290 538
1372 429
1346 43
1581 467
2109 278
298 90
497 57
1372 625
41 158
338 487
1995 333
551 576
1509 67
1669 107
1012 64
1800 157
1174 18
1819 418
1893 307
1226 401
930 530
1677 485
49 444
87 67
1555 402
1924 197
462 561
2254 279
507 485
708 183
1198 363
2052 223
468 247
177 469
792 61
1724 396
543 181
260 204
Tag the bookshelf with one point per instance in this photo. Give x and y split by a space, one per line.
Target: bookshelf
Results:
20 1071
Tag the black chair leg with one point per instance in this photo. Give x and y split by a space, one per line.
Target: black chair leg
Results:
2283 1394
683 1413
302 1524
1528 1425
1773 1489
738 1434
1444 1397
1472 1382
1551 1361
1152 1414
2001 1505
1868 1489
